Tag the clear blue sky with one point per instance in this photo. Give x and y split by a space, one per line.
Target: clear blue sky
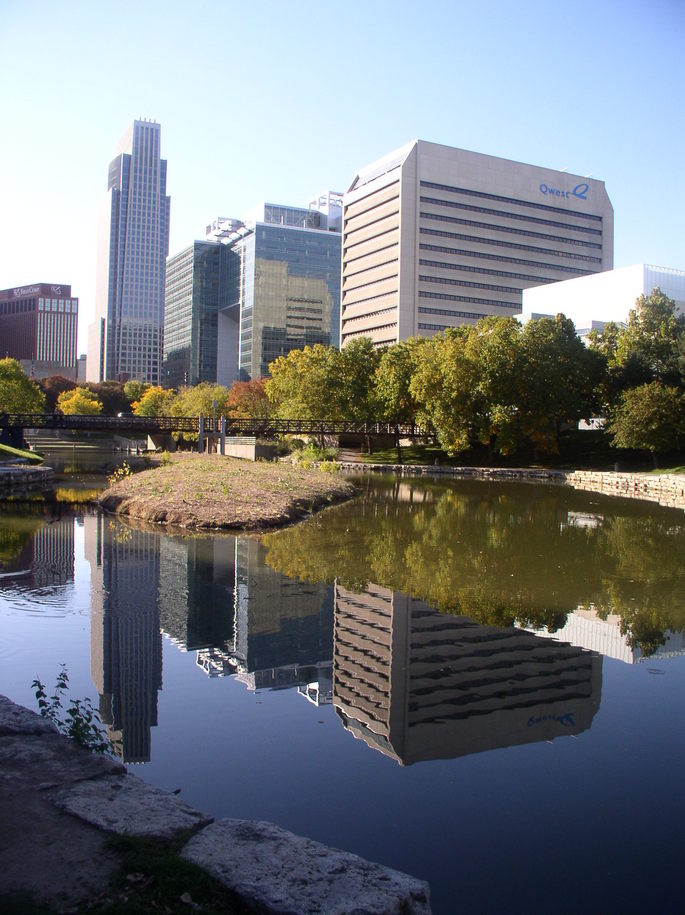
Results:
280 99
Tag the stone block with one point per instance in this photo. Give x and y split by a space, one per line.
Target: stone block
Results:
276 871
129 806
49 760
15 719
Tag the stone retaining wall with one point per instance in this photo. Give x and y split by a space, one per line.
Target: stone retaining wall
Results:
17 480
667 489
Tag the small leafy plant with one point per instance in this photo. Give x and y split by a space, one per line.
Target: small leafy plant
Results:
121 472
311 454
80 721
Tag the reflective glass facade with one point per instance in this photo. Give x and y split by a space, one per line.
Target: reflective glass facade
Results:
193 281
126 340
285 283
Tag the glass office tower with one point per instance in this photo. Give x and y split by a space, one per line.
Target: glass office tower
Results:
282 287
126 339
193 282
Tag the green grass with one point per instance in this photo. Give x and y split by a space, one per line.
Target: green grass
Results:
679 468
8 453
578 450
154 878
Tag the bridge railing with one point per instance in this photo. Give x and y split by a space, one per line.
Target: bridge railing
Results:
212 425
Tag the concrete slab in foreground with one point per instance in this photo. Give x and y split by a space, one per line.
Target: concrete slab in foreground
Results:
278 872
128 806
58 803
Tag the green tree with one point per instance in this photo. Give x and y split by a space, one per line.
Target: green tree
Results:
201 399
557 378
79 402
654 338
392 384
649 417
392 380
306 384
134 390
494 345
444 387
52 387
156 401
18 394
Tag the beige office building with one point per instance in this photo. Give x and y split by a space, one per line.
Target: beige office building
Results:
435 237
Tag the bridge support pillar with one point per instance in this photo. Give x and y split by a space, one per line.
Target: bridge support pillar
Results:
222 439
201 435
162 440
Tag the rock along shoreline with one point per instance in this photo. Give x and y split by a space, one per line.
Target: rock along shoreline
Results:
60 802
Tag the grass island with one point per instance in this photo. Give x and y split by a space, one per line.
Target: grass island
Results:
212 492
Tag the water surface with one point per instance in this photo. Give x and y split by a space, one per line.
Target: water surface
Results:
480 684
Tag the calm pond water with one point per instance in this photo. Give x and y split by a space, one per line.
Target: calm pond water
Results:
481 685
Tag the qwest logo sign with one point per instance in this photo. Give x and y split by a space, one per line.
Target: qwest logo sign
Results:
579 191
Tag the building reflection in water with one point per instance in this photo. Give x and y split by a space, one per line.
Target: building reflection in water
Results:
418 684
126 642
412 682
606 635
246 620
43 555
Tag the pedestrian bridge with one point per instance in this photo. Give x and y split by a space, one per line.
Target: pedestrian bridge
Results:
12 426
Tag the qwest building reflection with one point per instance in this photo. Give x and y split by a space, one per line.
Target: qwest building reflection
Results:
126 642
417 684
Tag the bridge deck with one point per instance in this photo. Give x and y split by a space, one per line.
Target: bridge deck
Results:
265 428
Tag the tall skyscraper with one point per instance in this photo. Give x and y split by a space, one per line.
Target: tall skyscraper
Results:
435 237
126 339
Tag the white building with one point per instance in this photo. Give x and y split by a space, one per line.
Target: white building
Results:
603 297
435 237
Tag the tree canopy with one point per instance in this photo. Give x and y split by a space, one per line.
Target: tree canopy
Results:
18 394
79 402
649 417
248 400
155 401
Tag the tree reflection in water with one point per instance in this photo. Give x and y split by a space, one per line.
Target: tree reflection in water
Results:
501 554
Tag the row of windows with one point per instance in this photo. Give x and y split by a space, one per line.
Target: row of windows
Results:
489 272
364 317
496 242
501 214
514 200
510 230
349 273
505 260
469 298
365 333
364 241
448 281
449 313
68 305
